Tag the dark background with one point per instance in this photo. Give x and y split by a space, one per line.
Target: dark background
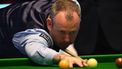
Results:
101 27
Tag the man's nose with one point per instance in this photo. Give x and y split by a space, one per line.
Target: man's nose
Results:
67 38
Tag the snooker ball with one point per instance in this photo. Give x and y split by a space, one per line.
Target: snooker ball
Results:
118 62
64 64
92 63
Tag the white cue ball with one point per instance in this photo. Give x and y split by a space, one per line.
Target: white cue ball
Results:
92 63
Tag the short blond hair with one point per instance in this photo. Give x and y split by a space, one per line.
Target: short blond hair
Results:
65 5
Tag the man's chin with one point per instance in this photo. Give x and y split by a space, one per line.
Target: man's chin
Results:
63 47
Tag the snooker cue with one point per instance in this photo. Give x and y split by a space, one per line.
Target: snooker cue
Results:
71 53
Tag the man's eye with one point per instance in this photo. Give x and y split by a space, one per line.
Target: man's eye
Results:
63 32
74 32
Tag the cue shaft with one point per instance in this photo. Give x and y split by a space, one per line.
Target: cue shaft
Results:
71 53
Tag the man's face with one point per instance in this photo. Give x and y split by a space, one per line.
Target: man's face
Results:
63 31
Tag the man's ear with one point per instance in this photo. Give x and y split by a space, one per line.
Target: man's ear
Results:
49 23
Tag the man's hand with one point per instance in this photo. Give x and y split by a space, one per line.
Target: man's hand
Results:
76 61
71 60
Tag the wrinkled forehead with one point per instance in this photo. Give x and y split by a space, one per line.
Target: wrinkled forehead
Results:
62 18
68 16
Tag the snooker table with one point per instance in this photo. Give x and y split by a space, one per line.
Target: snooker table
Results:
106 61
